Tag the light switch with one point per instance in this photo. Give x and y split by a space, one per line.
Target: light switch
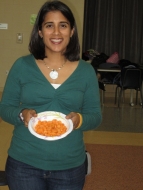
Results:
19 38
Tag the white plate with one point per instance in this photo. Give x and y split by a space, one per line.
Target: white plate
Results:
48 116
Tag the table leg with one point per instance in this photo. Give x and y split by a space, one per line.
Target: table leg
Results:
131 97
140 95
102 97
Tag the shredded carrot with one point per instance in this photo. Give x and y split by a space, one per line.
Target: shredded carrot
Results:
50 128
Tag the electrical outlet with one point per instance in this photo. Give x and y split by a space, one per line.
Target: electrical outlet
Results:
6 72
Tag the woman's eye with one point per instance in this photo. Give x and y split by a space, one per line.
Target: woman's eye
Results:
49 26
63 25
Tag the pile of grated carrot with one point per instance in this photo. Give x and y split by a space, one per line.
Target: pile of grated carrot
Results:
50 128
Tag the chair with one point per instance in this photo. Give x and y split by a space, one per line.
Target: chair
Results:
3 181
105 76
138 89
130 79
102 87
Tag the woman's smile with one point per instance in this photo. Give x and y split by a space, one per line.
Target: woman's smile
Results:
56 41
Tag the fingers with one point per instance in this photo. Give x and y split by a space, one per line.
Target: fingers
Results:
74 117
26 123
27 115
33 113
71 115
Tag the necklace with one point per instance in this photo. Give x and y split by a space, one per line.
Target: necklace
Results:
54 72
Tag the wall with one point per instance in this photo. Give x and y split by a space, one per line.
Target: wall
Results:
17 14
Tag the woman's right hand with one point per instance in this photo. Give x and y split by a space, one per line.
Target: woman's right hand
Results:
27 114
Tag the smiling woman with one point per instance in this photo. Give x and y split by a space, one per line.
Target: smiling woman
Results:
51 78
56 32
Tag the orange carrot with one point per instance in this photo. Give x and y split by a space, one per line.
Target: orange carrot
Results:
50 128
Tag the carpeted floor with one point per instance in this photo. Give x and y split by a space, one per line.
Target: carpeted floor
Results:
115 167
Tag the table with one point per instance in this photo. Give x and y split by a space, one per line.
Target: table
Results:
117 70
109 70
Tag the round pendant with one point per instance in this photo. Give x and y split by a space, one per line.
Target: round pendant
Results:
54 74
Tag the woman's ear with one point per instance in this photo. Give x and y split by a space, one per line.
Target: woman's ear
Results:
40 34
72 32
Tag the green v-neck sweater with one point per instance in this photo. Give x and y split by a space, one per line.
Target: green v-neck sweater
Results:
27 87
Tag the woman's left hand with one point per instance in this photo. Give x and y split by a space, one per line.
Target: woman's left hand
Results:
75 119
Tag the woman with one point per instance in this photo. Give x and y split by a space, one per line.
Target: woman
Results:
51 78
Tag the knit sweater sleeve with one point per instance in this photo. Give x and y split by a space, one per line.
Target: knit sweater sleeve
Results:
10 102
91 109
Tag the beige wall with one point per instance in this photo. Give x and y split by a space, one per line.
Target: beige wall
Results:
16 13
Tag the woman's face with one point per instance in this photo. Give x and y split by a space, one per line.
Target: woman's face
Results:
56 32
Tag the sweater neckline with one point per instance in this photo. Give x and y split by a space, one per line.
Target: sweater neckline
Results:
74 72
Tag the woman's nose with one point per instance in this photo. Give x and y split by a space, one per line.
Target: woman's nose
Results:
56 30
